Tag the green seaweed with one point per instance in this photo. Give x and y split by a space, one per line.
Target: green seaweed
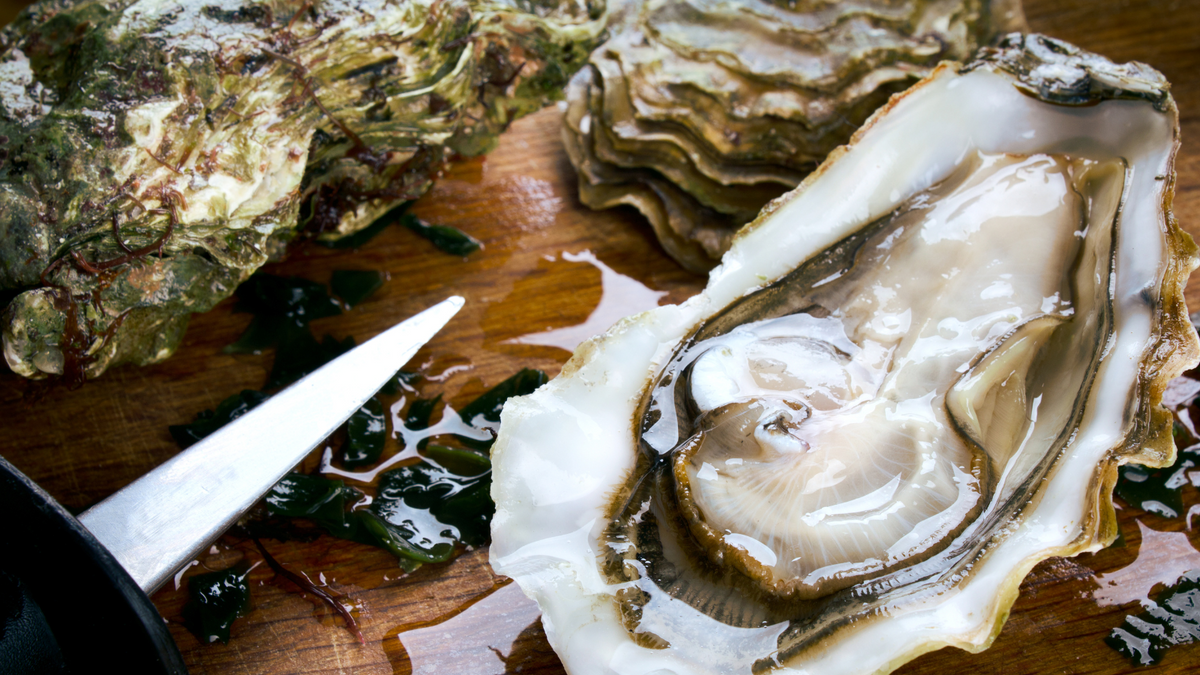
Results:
298 353
1173 618
260 335
445 238
421 512
1160 491
208 421
283 308
355 286
324 501
215 600
1157 490
433 505
278 304
360 238
407 543
418 416
457 460
484 412
366 433
299 495
299 300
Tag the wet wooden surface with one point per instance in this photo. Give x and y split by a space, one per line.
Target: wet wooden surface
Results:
542 268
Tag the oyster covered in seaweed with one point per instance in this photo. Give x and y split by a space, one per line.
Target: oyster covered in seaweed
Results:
699 112
909 381
154 154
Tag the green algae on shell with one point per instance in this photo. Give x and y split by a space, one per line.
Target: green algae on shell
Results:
154 154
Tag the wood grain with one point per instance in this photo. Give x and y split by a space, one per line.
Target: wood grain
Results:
520 202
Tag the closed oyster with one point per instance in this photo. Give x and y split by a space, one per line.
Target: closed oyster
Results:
154 154
699 112
909 381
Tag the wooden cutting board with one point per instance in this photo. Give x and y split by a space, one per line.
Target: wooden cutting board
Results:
548 263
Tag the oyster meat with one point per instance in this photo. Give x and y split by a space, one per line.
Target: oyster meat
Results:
154 154
908 382
699 112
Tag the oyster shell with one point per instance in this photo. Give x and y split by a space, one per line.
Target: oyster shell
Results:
212 133
699 112
908 382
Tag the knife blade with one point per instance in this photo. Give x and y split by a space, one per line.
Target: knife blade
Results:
162 520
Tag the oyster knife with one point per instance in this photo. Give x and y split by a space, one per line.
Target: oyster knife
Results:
73 593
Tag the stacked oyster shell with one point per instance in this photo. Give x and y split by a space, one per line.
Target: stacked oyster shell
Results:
699 112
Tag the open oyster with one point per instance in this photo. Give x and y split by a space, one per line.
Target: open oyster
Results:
153 154
699 112
908 382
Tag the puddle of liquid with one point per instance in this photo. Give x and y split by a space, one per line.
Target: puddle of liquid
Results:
621 296
487 638
1163 557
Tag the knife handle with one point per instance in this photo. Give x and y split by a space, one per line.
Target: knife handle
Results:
65 602
27 645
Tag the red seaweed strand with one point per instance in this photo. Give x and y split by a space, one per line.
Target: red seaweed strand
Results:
116 230
162 161
309 587
360 150
168 197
